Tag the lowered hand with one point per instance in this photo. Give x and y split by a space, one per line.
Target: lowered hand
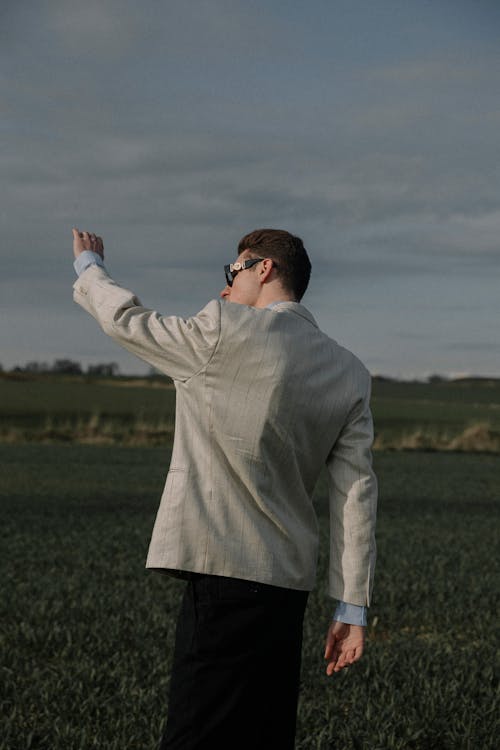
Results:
344 645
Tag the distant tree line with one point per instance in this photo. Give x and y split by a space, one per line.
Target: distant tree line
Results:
67 367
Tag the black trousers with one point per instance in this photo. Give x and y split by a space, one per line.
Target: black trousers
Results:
236 667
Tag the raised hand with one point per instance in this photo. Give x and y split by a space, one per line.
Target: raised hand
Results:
86 241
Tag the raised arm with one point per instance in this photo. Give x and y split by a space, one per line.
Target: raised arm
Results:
179 348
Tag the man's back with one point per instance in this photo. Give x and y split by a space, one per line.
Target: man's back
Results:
254 427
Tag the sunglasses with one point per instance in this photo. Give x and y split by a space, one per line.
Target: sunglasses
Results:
232 269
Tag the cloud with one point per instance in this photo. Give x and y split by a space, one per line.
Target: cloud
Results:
104 28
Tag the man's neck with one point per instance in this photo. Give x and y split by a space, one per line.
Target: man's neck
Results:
270 297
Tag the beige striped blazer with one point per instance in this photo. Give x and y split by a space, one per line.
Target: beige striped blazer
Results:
264 400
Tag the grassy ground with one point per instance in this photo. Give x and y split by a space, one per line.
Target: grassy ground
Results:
461 415
87 632
456 415
81 409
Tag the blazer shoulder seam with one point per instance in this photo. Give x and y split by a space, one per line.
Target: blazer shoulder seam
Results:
212 354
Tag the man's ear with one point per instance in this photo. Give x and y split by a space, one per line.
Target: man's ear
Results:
265 269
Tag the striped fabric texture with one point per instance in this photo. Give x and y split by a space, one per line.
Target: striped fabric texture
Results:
265 400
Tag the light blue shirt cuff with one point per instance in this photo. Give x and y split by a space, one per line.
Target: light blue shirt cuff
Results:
351 614
86 259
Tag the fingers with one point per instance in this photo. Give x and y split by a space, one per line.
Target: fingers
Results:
344 646
337 632
81 239
340 661
87 241
330 643
335 664
97 245
79 244
333 651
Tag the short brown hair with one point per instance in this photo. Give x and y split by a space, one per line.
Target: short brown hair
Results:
292 262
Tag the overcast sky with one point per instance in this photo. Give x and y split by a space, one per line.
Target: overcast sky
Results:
367 127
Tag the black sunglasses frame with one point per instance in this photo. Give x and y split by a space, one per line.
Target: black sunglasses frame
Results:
231 270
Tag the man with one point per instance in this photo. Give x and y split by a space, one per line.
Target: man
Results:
264 401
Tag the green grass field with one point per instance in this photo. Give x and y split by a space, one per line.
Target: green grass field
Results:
87 633
69 408
141 411
436 413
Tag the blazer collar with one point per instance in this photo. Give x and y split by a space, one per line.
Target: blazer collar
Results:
296 308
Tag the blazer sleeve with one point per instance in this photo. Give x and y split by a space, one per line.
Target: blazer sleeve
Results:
353 506
179 348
